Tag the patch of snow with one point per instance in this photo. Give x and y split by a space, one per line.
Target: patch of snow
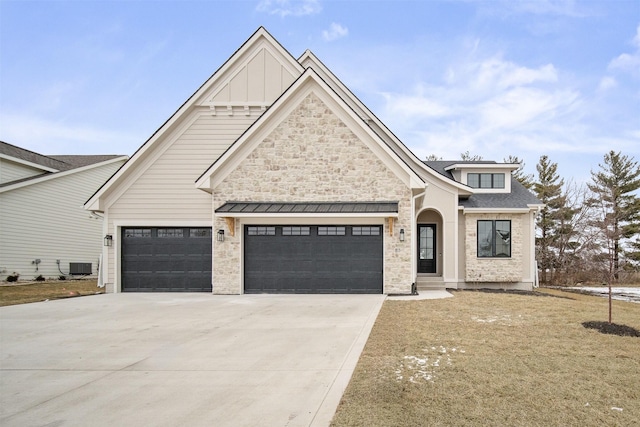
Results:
617 293
503 320
613 408
425 366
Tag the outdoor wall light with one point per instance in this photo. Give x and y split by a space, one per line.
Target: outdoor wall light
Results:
220 235
108 240
402 234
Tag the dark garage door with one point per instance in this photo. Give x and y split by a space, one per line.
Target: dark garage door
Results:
176 259
313 259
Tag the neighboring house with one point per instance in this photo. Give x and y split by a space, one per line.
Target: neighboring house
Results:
44 230
273 177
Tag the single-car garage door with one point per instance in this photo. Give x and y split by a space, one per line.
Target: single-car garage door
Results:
175 259
313 259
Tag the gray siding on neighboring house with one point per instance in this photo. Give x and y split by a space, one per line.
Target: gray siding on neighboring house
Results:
12 171
46 221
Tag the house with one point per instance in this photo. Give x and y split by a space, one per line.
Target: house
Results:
44 230
274 178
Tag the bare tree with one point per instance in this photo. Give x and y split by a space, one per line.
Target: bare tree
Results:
468 157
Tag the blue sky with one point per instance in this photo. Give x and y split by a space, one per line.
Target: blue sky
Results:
496 78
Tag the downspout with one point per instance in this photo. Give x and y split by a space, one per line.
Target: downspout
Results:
414 219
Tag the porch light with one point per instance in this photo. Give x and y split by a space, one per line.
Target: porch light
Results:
402 234
221 235
108 240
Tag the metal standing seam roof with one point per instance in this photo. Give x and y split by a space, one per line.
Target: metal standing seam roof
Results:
308 207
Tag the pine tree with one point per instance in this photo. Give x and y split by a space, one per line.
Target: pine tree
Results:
548 188
525 179
618 210
613 190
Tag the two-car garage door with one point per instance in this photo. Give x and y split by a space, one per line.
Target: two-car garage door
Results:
313 259
277 259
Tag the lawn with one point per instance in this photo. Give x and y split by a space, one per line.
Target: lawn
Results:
496 359
11 294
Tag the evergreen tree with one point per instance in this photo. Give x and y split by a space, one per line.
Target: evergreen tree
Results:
613 189
525 179
548 188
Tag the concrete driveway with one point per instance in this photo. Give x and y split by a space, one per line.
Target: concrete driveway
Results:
180 359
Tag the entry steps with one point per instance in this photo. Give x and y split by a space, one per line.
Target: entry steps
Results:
429 283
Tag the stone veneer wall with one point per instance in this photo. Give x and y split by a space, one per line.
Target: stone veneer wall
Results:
498 270
313 156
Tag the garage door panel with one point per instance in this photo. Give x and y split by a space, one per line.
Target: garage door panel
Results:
312 263
166 259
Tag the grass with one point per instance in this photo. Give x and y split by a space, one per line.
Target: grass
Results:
496 359
41 291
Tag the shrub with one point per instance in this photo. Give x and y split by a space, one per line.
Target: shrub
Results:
13 277
40 278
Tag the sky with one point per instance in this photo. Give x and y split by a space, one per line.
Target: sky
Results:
494 78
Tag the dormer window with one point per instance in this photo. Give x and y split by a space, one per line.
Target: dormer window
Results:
485 180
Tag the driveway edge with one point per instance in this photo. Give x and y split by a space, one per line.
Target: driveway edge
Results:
331 400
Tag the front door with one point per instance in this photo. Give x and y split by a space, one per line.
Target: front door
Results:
427 248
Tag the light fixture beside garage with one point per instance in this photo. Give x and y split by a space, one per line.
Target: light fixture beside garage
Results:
220 235
402 234
108 240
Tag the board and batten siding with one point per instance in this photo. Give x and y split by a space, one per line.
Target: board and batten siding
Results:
46 221
12 171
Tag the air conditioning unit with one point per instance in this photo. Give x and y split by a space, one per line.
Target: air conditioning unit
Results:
79 268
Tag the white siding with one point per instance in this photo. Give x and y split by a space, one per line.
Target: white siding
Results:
260 80
12 171
166 189
165 192
47 221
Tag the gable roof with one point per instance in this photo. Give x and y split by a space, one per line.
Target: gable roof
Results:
31 158
51 166
308 59
308 82
203 96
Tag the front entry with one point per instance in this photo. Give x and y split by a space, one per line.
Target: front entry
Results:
427 248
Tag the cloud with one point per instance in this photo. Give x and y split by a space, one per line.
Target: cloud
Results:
335 32
628 62
607 83
491 106
286 8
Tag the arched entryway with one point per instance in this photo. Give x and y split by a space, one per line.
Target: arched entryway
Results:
429 241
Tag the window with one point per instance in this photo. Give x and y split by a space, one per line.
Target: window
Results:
137 232
485 180
295 231
365 231
494 239
200 232
331 231
170 232
261 231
